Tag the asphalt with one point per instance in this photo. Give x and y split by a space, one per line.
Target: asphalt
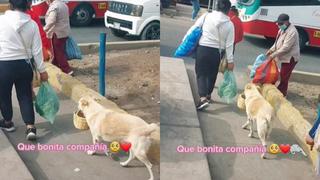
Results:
66 164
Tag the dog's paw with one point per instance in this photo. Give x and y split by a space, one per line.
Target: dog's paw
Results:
123 164
263 156
90 152
107 153
244 127
250 135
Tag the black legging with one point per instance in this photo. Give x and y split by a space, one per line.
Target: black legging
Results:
18 73
207 67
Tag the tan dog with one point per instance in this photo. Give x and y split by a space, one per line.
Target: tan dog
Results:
110 126
259 110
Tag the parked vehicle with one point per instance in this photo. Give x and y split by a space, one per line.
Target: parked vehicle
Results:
137 17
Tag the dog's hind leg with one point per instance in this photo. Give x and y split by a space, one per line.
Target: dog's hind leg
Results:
142 156
250 128
131 157
262 127
245 125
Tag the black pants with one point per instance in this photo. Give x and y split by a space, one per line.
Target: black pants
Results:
18 73
207 67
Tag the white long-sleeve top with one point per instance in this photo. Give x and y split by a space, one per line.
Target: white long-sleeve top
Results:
11 45
210 33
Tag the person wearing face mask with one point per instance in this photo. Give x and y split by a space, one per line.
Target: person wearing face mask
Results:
285 50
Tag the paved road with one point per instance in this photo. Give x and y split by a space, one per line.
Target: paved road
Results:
221 123
173 30
91 33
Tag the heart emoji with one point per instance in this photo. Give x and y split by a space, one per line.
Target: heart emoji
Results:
125 146
285 148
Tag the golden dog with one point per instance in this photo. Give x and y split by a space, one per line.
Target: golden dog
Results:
259 110
110 126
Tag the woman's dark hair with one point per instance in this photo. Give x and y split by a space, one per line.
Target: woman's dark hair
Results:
21 5
223 6
235 10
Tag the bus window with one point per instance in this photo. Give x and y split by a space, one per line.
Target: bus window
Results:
289 2
246 2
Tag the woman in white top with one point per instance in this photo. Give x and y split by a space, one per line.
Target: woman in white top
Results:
19 35
218 33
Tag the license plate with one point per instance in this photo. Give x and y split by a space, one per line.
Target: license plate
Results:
116 25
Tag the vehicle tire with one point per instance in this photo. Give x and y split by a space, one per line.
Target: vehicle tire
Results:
118 33
82 15
303 39
151 32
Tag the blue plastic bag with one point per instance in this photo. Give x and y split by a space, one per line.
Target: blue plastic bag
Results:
190 43
228 88
259 60
47 102
72 49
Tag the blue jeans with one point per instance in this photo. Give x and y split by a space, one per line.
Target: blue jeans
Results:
316 124
196 8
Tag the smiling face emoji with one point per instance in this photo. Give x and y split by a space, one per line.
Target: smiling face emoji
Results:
115 147
274 148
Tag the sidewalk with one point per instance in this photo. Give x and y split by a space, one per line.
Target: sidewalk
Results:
222 127
62 165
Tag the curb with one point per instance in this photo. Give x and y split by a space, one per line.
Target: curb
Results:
12 165
305 77
180 124
75 89
290 117
302 77
89 48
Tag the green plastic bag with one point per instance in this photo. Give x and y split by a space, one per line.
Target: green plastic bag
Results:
47 102
228 88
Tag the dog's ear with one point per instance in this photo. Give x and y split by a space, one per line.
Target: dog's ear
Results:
259 88
84 102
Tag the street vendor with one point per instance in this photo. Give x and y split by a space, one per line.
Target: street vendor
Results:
285 50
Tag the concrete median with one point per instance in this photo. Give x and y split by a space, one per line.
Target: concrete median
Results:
89 48
290 117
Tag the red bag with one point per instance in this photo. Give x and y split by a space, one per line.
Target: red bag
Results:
268 73
46 54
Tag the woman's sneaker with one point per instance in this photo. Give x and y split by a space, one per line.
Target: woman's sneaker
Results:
202 105
7 126
31 133
209 99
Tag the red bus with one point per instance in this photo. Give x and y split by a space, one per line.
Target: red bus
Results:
82 12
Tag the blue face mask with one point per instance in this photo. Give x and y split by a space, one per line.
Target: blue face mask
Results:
283 27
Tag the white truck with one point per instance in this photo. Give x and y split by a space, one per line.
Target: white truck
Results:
139 18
